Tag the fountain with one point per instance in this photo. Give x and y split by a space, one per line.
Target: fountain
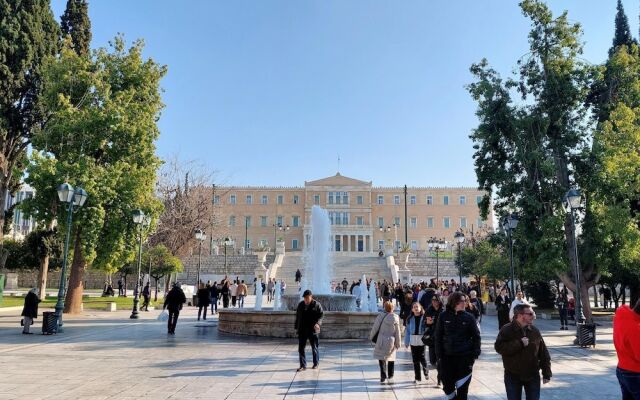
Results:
318 268
258 305
373 302
277 298
339 322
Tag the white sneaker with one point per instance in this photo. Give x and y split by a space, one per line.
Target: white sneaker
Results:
417 382
390 381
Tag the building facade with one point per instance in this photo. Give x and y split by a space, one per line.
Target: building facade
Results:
364 218
21 226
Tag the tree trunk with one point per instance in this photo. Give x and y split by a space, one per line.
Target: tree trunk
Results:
42 276
4 191
124 281
595 295
155 297
634 289
73 300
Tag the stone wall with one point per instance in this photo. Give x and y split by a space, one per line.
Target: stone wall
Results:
215 267
335 324
92 279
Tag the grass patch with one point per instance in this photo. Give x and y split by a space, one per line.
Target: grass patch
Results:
93 303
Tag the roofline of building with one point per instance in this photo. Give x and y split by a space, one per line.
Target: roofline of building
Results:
372 187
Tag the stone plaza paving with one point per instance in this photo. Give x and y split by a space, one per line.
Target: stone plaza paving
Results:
105 355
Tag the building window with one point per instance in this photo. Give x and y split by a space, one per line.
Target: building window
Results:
380 244
232 199
429 200
264 199
463 222
294 244
345 198
381 222
264 242
345 218
463 200
360 200
247 244
295 199
397 245
380 199
330 198
359 221
446 222
216 199
478 199
429 222
316 199
480 223
295 221
396 199
232 220
445 200
280 199
414 245
247 221
413 222
279 220
263 220
249 199
396 221
412 200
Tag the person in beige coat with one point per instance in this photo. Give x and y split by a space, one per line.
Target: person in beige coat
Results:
387 328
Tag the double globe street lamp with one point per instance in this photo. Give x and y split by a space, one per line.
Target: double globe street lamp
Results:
459 237
200 237
142 221
509 224
74 198
437 245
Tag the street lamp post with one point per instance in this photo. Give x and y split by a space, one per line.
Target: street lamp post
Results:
573 200
284 230
140 219
509 224
459 236
276 228
384 235
72 197
200 237
434 245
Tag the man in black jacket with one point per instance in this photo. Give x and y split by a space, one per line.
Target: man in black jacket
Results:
173 302
308 320
524 353
457 345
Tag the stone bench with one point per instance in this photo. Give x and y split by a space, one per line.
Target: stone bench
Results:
111 306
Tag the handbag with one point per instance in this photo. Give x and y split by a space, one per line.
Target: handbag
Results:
374 339
427 337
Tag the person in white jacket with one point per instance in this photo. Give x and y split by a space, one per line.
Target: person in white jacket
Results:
519 300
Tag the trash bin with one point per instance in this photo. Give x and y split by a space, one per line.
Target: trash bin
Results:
586 335
49 323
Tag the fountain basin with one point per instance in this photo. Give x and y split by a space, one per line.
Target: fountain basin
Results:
280 324
330 302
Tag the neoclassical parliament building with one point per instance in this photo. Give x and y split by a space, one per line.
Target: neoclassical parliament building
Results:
363 217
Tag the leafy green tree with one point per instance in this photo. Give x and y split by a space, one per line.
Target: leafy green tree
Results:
527 152
104 143
75 23
162 263
28 35
622 36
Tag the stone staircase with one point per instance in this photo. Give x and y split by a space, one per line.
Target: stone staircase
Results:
424 268
351 267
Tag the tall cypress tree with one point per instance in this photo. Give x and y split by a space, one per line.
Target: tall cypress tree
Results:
29 34
75 23
622 34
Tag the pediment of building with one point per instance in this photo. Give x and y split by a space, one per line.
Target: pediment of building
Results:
337 180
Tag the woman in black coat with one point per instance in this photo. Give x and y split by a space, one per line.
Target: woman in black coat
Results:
503 305
30 310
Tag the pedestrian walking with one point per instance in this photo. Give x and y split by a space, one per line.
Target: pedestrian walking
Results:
270 291
242 293
386 335
503 305
203 301
414 332
308 321
524 354
173 302
562 302
432 314
30 310
234 293
283 287
146 295
214 292
345 285
120 288
457 346
225 294
477 303
626 339
518 300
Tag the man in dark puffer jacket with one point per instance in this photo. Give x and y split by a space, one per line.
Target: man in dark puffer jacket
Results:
457 342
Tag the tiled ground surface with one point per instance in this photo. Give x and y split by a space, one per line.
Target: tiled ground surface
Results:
107 356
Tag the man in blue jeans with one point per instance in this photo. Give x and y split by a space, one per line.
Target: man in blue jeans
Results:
524 354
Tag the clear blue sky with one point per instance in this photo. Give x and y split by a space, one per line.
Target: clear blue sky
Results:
270 92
